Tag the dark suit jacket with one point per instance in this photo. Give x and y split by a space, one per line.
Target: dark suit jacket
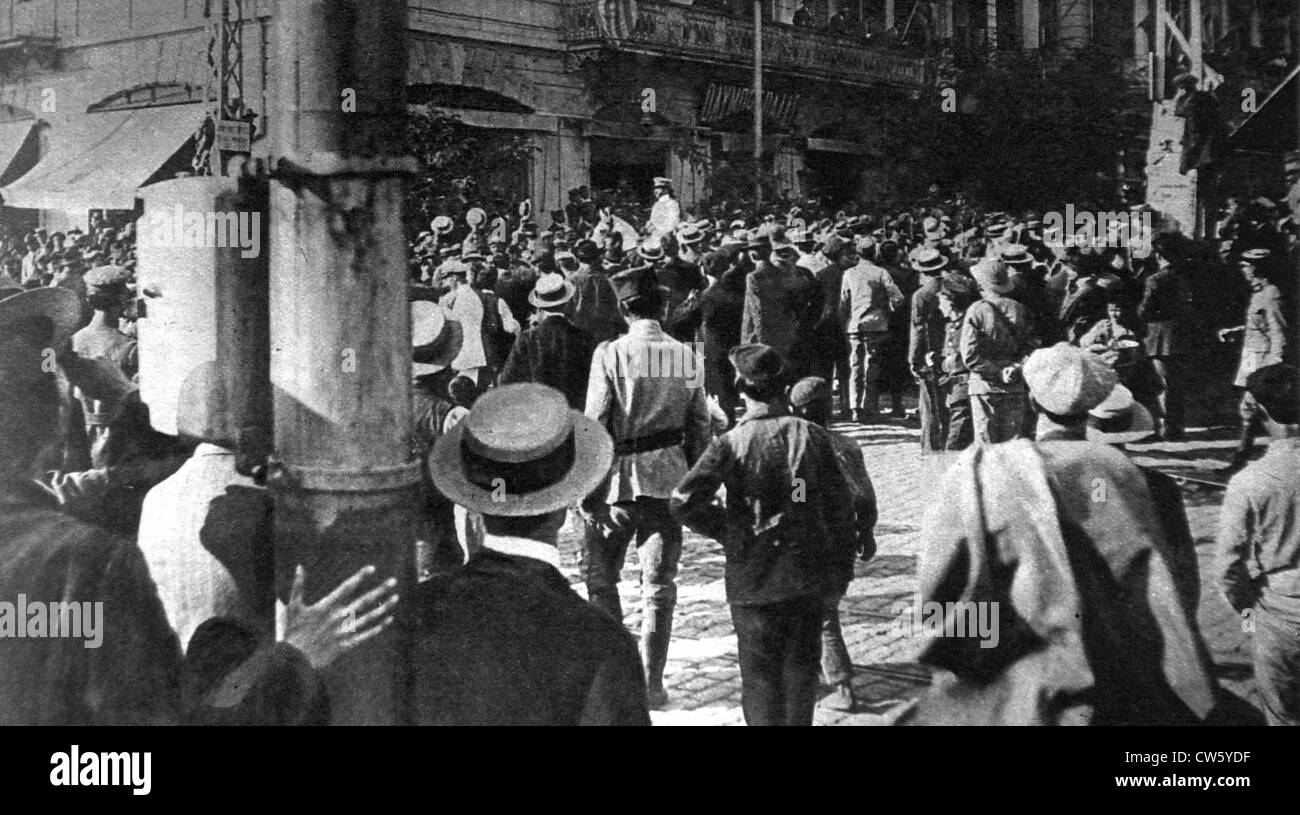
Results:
507 642
555 353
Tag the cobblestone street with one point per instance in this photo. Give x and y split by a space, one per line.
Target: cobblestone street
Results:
703 679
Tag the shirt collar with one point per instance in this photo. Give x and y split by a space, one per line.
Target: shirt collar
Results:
764 412
523 547
644 328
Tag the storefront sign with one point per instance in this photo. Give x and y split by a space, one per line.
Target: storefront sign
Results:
721 101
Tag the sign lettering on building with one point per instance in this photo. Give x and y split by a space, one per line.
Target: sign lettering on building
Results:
235 137
721 101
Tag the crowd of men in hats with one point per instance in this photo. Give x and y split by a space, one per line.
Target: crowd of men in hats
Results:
633 377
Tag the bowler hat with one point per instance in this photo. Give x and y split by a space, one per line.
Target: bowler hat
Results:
520 452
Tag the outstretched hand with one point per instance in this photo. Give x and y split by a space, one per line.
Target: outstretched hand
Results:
337 623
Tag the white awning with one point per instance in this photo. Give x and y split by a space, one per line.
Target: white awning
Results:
102 158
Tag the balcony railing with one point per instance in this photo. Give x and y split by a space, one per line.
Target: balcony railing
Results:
668 29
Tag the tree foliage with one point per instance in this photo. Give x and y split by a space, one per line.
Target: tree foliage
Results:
1025 134
463 167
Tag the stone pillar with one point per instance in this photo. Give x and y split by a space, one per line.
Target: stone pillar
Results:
1029 24
574 160
689 181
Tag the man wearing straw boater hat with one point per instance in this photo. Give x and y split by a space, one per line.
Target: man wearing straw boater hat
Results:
555 352
506 641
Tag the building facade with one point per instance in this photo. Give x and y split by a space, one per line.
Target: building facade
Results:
100 97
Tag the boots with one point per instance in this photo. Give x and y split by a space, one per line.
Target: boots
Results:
656 633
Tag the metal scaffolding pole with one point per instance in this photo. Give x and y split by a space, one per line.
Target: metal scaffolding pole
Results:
344 483
758 103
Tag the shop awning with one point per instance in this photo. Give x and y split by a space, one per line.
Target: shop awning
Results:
102 158
13 135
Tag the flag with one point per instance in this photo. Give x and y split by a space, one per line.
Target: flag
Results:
616 18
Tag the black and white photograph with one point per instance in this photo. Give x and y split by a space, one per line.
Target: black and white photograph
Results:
650 362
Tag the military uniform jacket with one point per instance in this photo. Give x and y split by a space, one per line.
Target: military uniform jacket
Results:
1264 342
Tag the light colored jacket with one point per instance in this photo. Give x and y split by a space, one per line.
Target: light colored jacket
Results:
868 295
642 383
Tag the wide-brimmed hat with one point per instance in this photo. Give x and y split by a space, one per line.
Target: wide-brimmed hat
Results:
652 251
521 451
690 234
1120 419
1068 381
62 307
660 181
1254 256
961 290
780 240
436 336
758 241
995 231
758 364
551 290
993 275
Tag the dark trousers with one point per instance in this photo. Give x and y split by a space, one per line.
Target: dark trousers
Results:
779 647
961 433
934 415
837 666
658 537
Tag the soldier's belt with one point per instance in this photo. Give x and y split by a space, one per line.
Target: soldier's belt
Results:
652 441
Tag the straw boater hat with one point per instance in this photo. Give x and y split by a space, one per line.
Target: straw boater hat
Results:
1014 254
929 261
521 451
551 290
652 251
690 234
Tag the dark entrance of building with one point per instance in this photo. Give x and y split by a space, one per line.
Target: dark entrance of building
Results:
833 177
627 166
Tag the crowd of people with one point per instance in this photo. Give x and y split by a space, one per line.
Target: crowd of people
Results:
637 373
